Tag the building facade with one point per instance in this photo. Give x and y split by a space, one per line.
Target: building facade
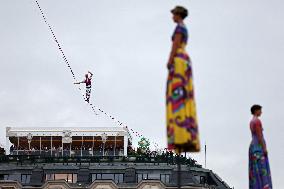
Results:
103 172
37 158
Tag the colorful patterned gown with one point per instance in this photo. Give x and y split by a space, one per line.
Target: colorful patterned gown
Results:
182 130
259 171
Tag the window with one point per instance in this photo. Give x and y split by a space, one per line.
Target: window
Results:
107 176
49 177
25 179
68 177
99 176
154 176
117 178
165 178
15 177
202 179
141 176
4 177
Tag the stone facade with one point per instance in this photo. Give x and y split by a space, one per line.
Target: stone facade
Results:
95 185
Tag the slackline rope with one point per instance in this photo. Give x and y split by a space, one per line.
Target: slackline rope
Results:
92 106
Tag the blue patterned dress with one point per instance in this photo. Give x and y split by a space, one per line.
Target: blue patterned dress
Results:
259 171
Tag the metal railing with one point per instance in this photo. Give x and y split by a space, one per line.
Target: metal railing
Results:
34 159
67 152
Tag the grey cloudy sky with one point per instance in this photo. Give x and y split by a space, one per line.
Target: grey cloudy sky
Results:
236 47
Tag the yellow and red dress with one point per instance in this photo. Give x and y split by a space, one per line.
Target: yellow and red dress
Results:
182 128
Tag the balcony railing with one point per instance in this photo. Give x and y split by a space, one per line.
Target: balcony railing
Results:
68 153
157 159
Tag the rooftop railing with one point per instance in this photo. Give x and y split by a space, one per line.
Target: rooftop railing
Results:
169 159
68 153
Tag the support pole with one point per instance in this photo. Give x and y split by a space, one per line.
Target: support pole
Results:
82 147
62 149
205 156
114 148
93 146
7 149
178 168
104 138
125 144
178 171
104 149
18 145
51 146
40 145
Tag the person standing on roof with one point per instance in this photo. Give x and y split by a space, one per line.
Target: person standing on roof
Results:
87 81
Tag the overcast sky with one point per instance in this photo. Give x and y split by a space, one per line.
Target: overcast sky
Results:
236 47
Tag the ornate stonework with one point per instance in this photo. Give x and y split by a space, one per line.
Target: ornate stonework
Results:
95 185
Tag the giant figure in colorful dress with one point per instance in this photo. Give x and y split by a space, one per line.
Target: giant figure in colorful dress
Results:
259 171
182 128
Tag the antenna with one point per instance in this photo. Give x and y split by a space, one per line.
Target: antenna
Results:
205 155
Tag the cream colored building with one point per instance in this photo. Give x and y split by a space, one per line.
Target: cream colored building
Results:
95 185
